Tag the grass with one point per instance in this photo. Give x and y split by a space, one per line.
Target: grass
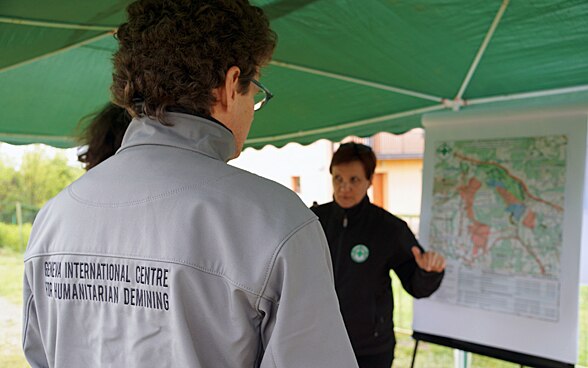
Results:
429 355
436 356
583 317
11 269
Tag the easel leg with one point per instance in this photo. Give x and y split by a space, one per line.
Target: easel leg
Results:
416 345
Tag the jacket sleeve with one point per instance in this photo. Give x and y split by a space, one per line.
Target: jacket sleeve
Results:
302 325
417 282
31 335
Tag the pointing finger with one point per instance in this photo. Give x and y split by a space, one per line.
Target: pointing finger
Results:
416 252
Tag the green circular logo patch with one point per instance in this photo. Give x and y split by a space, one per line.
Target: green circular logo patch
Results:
359 253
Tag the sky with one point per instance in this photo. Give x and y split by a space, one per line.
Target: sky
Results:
12 155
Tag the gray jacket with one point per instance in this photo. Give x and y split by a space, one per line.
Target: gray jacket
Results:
165 256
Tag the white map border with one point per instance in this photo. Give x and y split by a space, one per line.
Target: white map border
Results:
551 340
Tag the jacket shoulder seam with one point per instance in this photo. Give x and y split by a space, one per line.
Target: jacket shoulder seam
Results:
149 199
272 261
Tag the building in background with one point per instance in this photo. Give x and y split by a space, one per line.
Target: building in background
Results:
305 169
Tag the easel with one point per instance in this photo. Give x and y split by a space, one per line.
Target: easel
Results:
414 352
458 364
460 361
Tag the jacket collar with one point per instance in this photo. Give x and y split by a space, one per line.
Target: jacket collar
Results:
194 133
354 212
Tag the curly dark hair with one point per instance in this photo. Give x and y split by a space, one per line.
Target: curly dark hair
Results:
103 135
352 151
172 53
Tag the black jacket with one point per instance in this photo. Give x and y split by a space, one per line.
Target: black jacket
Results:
362 276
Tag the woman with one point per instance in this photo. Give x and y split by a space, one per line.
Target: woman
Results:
103 135
366 242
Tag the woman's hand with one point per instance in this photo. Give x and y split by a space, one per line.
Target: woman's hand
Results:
429 261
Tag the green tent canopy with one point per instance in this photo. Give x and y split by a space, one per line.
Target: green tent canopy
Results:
342 67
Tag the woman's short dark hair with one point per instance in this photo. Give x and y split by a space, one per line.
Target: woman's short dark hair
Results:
173 53
352 151
103 135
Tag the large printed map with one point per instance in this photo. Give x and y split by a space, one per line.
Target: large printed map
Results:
497 214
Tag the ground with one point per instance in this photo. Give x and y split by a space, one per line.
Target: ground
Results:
10 334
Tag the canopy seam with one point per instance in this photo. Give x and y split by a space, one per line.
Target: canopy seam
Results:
55 52
482 50
63 138
354 124
54 24
520 96
356 81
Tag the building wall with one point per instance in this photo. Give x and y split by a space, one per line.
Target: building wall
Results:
402 190
309 163
403 185
399 171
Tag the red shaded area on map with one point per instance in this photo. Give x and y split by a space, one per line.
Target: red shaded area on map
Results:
508 197
529 220
479 232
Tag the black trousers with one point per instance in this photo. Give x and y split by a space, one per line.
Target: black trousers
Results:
382 360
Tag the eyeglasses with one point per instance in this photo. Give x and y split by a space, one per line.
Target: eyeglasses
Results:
262 96
354 182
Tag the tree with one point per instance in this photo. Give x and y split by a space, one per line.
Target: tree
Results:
41 178
9 193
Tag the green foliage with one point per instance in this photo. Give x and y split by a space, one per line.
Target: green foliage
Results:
39 178
9 193
13 237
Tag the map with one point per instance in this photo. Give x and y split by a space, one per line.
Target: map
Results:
497 216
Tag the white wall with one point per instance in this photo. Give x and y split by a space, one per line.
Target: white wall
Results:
310 163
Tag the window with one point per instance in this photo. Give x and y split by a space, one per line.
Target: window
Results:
296 184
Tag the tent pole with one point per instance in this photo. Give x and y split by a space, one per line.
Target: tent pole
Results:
49 54
356 81
482 49
46 24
